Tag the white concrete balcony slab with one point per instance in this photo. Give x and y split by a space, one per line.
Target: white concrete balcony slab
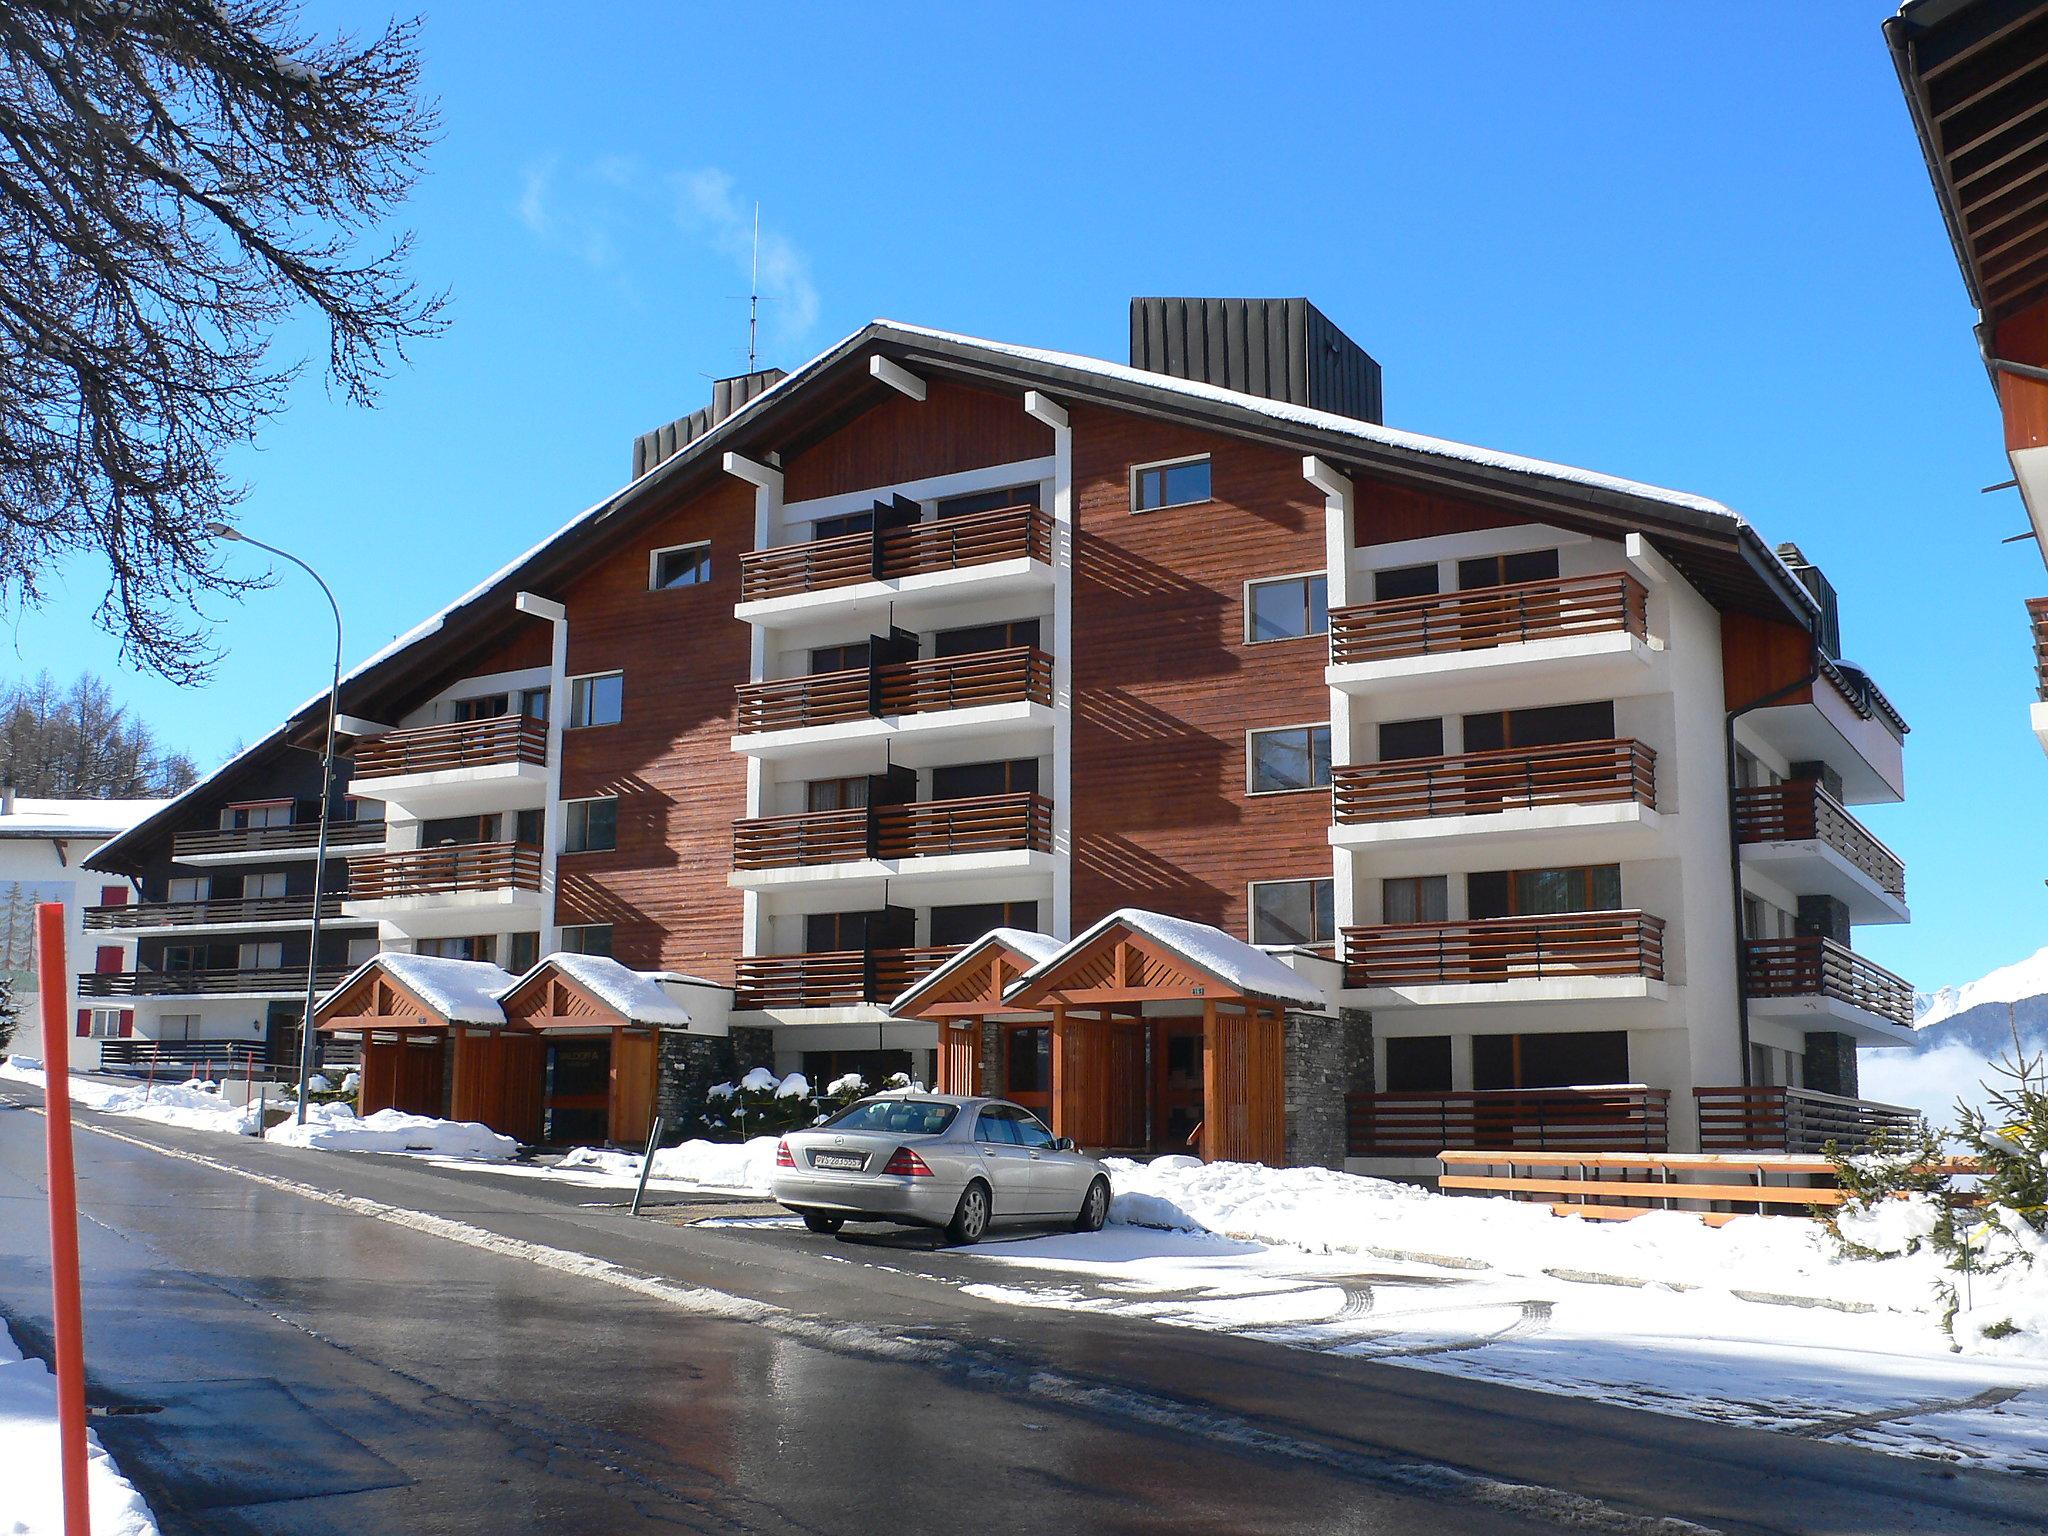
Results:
444 770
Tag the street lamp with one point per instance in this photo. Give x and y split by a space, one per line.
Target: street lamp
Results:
233 535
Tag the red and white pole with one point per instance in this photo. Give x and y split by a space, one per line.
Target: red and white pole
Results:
53 991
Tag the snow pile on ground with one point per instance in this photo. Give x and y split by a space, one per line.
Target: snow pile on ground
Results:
746 1167
335 1128
31 1498
1319 1211
195 1105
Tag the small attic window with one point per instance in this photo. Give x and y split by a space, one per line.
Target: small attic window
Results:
1176 483
686 565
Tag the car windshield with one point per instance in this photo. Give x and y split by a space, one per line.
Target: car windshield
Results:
899 1117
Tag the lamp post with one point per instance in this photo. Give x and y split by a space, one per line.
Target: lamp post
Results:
223 531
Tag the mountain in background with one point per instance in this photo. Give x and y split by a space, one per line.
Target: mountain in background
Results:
1960 1032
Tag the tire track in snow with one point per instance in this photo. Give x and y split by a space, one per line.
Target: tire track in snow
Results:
1109 1403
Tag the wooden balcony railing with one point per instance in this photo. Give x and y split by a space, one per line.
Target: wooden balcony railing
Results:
1816 967
1017 675
1551 946
1619 1119
341 835
1796 1120
465 744
445 871
1482 617
2037 620
182 914
924 829
1479 783
889 554
164 1056
285 980
1800 811
833 978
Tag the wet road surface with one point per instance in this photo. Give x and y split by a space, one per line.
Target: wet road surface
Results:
301 1363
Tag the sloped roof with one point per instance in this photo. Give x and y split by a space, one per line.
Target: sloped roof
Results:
634 995
460 991
75 818
1034 947
1244 968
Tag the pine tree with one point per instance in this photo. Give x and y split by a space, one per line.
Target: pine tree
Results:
10 1011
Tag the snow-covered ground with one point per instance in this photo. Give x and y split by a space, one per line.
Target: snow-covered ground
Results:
31 1500
192 1105
703 1167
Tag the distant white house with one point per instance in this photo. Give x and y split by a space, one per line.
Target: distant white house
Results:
43 844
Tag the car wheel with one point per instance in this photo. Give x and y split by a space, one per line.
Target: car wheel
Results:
818 1221
970 1216
1095 1208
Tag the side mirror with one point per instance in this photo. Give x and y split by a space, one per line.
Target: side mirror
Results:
1065 1144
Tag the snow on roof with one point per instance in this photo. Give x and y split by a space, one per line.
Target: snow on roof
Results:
1243 967
635 995
461 991
1034 947
75 818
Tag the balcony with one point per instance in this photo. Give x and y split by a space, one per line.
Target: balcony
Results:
256 912
973 836
1816 983
1007 549
1795 1120
1845 721
1623 1119
1562 957
300 840
434 770
1594 630
833 978
280 981
1002 699
2037 621
1801 835
446 891
1604 788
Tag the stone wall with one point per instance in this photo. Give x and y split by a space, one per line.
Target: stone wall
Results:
1326 1060
992 1063
1831 1064
685 1067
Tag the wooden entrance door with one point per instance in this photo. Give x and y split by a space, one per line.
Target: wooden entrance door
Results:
632 1086
1176 1084
577 1106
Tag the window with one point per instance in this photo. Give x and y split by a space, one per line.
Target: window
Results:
1291 757
1411 738
1294 912
267 956
529 827
968 921
996 1126
1029 1060
269 884
488 707
522 951
985 637
597 700
188 887
1505 570
1415 899
1575 1059
1419 1065
262 813
959 781
587 939
105 1024
1530 892
1547 727
1178 484
177 1026
839 658
443 831
473 947
533 703
1404 581
361 947
362 810
688 565
590 826
848 522
1287 609
836 794
988 501
835 932
899 1117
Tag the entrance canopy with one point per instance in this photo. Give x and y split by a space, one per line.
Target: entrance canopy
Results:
967 989
1133 958
592 992
406 993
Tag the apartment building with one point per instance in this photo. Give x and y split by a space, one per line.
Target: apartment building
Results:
1094 690
1975 75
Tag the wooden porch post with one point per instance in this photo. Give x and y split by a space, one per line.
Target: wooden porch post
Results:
1060 1075
1212 1083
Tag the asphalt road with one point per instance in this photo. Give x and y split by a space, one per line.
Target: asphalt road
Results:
289 1341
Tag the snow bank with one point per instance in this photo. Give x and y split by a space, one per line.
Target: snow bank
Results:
31 1499
195 1105
744 1166
335 1128
1320 1211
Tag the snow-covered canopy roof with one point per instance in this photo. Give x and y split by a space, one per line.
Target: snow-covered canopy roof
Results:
1034 947
75 818
460 991
1243 968
635 995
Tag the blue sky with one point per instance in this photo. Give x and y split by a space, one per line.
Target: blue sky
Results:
1697 247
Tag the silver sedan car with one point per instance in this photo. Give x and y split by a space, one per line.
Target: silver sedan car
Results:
935 1160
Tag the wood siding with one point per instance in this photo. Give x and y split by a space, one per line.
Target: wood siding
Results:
669 759
1165 685
899 439
498 1079
1389 514
1758 657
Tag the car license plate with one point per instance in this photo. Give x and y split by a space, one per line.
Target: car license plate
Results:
851 1162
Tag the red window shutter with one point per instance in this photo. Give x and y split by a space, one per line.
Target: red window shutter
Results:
113 895
84 1023
127 1023
106 958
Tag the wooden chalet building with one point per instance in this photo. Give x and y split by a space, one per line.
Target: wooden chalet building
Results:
1170 746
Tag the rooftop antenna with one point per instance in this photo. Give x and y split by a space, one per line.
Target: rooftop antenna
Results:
754 291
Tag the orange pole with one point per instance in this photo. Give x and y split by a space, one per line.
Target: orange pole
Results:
53 988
